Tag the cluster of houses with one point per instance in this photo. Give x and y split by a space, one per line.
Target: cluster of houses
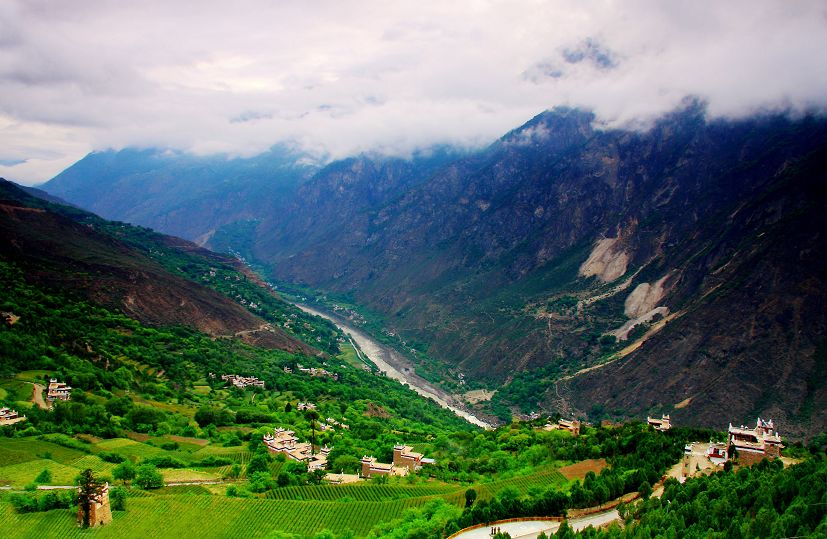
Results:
305 406
242 381
58 391
331 423
750 445
9 417
313 371
405 461
284 442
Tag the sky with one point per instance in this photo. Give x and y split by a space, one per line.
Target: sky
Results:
335 78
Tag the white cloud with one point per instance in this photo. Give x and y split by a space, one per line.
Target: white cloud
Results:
343 77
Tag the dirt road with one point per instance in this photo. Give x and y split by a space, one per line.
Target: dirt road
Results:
37 396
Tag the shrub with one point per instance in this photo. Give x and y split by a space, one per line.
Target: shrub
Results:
44 477
108 456
148 477
165 461
117 499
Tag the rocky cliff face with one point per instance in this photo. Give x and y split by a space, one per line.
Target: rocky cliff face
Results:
699 244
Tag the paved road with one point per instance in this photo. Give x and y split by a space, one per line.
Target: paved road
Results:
527 529
597 519
530 529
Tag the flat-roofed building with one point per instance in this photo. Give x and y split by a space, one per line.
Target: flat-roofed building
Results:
753 445
662 424
58 391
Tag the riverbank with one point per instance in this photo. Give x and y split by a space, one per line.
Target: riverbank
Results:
396 366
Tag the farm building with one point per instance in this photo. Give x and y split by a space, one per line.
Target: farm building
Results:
572 426
717 454
405 460
58 391
662 424
285 442
752 445
9 417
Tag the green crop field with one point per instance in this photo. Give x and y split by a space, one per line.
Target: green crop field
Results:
39 449
360 492
94 463
25 472
542 479
161 516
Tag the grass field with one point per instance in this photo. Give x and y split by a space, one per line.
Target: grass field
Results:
33 376
17 390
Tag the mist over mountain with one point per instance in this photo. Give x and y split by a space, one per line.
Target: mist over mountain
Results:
688 259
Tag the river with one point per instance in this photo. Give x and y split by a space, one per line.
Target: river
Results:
396 366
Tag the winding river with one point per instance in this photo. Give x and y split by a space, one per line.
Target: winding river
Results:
396 366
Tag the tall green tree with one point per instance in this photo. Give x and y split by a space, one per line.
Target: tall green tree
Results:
90 492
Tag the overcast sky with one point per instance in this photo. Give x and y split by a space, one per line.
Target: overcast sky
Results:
342 77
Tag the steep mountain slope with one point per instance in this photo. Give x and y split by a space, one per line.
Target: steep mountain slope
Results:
60 247
521 256
557 246
180 194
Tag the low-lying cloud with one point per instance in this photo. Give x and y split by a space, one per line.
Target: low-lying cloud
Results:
339 78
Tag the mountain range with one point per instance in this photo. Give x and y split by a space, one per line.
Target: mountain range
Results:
580 269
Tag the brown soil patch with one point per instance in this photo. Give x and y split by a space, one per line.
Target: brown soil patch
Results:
478 395
578 470
684 403
376 411
137 436
188 440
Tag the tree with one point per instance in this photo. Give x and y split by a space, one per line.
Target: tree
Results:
117 499
147 476
125 471
234 471
645 489
470 497
90 492
312 416
316 476
257 464
345 463
44 477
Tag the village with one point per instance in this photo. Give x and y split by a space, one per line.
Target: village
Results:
284 442
749 445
